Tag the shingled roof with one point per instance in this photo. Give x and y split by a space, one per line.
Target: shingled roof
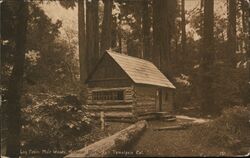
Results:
141 71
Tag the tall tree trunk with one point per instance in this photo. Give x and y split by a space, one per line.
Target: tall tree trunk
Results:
171 12
120 35
231 33
244 20
247 13
163 24
114 33
246 29
183 29
130 50
92 35
156 33
15 84
248 43
96 54
146 30
106 26
208 59
82 41
202 19
247 4
183 55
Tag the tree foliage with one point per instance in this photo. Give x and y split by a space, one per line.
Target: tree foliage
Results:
60 120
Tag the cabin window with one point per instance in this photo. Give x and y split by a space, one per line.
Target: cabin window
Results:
108 95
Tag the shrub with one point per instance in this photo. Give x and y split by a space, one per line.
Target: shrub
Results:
230 130
53 122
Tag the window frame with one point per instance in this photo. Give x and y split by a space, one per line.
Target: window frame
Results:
108 95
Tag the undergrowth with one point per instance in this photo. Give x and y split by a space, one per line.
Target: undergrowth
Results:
230 130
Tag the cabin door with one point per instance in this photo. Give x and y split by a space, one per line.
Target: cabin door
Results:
158 100
167 100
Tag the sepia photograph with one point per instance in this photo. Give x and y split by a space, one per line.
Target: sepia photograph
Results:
125 78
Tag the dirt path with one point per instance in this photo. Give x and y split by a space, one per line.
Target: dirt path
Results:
172 143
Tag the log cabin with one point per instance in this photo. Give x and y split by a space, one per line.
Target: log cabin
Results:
127 88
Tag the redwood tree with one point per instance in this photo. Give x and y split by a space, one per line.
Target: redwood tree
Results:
92 34
207 60
146 24
96 29
16 81
106 26
232 32
163 26
82 41
183 29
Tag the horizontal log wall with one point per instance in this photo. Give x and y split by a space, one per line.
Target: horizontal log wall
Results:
112 108
110 83
145 100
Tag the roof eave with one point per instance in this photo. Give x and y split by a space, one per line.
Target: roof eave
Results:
155 85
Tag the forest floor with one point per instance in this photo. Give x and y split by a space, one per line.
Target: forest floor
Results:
173 142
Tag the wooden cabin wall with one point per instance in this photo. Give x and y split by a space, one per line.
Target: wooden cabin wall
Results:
113 109
108 74
110 83
145 99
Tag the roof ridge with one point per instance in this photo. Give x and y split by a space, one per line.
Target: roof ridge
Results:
125 55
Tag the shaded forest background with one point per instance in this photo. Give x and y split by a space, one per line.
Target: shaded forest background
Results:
40 70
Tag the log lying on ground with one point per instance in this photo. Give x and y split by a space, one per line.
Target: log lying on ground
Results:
176 127
117 141
194 120
121 120
157 115
170 120
116 114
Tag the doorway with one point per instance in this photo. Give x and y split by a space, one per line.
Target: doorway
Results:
158 100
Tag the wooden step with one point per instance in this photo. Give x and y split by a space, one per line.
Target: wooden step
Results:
147 117
166 116
161 113
147 114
